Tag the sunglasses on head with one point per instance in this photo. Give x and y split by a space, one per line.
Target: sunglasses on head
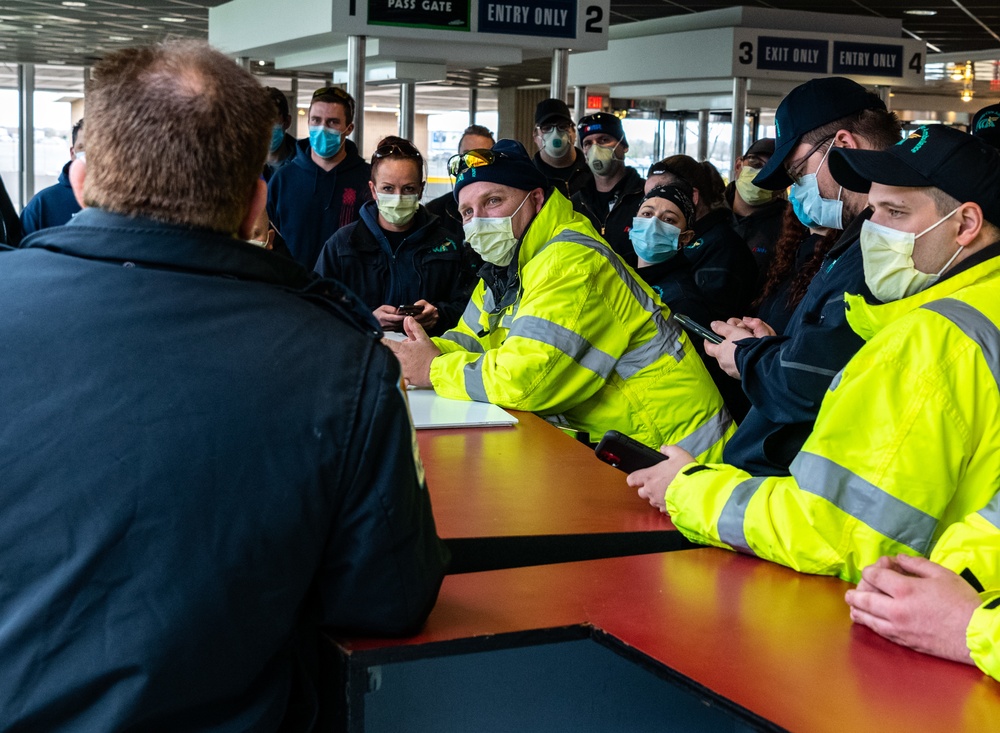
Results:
478 158
399 150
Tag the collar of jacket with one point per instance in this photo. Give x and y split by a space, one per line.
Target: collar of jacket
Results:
101 235
423 224
868 319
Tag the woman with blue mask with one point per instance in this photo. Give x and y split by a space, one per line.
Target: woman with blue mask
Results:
399 258
660 230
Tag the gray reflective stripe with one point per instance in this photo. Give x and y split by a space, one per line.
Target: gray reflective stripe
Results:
474 381
991 512
807 368
572 344
667 339
733 517
489 302
464 340
508 320
708 434
471 316
976 326
865 501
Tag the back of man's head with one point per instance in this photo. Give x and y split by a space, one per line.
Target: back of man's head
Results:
816 111
176 132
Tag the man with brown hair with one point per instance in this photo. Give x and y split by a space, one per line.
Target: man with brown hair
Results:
218 462
326 183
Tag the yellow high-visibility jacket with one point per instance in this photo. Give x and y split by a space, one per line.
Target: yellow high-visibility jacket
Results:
584 343
972 548
906 443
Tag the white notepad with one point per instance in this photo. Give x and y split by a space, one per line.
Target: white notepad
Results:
431 411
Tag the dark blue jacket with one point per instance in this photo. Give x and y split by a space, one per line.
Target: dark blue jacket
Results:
614 223
50 207
217 464
429 265
308 204
724 268
786 376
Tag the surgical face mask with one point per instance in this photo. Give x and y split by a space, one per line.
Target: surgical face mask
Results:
556 143
277 137
398 209
654 240
887 255
812 209
751 194
602 160
326 143
493 237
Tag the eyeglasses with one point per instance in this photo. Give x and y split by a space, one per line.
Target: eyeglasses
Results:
794 169
550 126
753 161
461 162
401 149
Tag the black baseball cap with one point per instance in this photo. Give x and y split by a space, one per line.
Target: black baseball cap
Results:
937 156
601 122
986 125
763 147
552 109
808 106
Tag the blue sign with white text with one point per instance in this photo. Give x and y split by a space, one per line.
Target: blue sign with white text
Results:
792 54
872 59
550 18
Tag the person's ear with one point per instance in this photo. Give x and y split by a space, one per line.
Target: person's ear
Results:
348 130
371 187
970 223
695 197
420 194
257 203
77 172
538 199
846 139
739 165
685 238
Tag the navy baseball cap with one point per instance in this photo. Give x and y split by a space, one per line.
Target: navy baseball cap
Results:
935 156
601 122
986 125
808 106
506 163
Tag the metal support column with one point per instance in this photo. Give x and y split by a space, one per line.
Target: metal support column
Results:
885 94
739 120
407 109
473 104
356 86
26 131
681 135
703 134
560 71
579 102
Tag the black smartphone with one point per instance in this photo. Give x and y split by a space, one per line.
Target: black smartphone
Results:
409 310
698 329
625 453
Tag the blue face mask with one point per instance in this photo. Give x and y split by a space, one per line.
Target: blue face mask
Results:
811 208
277 137
326 143
654 241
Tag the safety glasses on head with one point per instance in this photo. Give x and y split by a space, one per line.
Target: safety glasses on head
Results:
401 149
472 159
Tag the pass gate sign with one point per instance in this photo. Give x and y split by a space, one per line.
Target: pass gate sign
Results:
452 15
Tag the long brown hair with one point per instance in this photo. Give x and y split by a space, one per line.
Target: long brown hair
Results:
786 252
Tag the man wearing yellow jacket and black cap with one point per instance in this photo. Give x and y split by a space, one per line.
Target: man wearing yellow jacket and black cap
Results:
907 441
559 325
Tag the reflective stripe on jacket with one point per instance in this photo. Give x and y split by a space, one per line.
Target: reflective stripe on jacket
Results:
585 344
907 442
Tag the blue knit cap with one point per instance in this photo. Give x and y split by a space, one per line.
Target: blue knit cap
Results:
513 167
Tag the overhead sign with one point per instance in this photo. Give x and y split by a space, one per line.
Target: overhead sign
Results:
792 54
450 15
580 25
868 59
774 55
550 18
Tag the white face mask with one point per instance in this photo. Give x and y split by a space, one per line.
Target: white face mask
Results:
811 208
602 160
493 237
888 261
398 209
556 143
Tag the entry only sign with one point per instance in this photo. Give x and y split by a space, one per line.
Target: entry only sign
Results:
887 61
581 25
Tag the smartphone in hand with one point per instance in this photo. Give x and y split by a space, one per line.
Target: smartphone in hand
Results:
625 453
698 329
409 310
